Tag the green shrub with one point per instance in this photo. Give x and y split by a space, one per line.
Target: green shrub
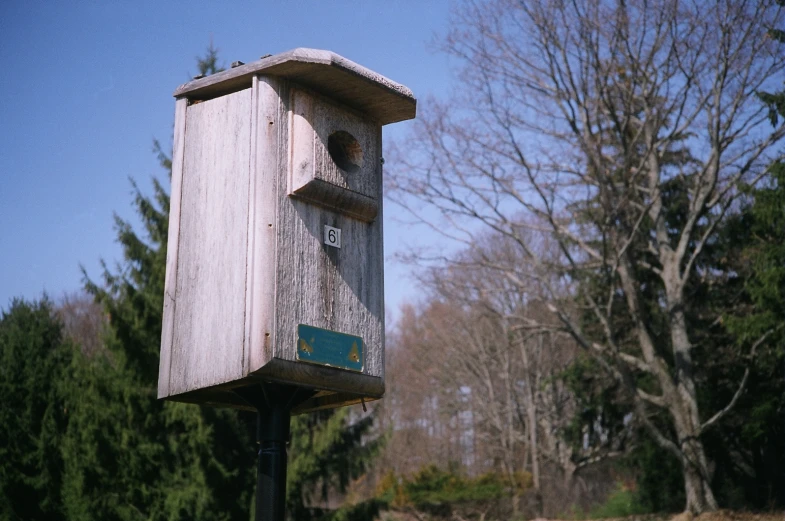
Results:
432 485
441 493
622 502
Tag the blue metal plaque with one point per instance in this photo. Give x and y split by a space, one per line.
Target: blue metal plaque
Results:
325 347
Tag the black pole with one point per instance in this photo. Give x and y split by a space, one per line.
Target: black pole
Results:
274 404
272 433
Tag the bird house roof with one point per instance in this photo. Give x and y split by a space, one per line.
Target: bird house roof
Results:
322 71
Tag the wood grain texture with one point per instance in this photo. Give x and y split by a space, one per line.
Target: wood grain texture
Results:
329 119
379 280
301 141
326 287
211 275
322 378
170 283
337 199
249 262
312 283
336 289
314 175
367 388
341 79
269 157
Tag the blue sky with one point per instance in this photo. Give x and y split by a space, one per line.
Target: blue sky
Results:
85 87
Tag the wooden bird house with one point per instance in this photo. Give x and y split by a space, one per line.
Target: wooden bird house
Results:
274 269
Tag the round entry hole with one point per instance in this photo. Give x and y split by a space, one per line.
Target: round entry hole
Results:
345 151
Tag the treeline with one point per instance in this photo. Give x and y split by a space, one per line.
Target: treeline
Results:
610 176
482 379
83 436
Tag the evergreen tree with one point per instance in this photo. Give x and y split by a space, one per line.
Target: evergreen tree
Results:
130 456
208 64
33 358
748 448
764 426
327 451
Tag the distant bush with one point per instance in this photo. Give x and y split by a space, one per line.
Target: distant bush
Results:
440 492
623 502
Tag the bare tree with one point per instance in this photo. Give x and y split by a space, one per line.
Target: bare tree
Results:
504 345
84 321
621 129
475 379
422 427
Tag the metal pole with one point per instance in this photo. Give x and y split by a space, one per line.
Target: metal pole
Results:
272 433
274 404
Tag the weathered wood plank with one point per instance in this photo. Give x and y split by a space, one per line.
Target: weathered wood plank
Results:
364 387
337 199
301 146
331 288
269 158
211 275
335 76
329 119
333 156
323 378
170 283
379 355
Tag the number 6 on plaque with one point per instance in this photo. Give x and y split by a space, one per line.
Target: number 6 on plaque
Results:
332 236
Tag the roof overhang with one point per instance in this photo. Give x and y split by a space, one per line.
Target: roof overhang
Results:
322 71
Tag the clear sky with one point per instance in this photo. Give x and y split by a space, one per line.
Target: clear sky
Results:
85 87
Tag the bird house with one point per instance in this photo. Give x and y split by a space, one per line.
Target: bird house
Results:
274 269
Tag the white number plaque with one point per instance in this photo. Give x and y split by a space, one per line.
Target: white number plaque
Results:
332 236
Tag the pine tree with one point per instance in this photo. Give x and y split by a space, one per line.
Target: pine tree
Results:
208 64
327 451
33 358
128 455
749 452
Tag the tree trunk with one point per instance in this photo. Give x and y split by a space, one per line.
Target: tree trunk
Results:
516 504
700 497
695 469
531 414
